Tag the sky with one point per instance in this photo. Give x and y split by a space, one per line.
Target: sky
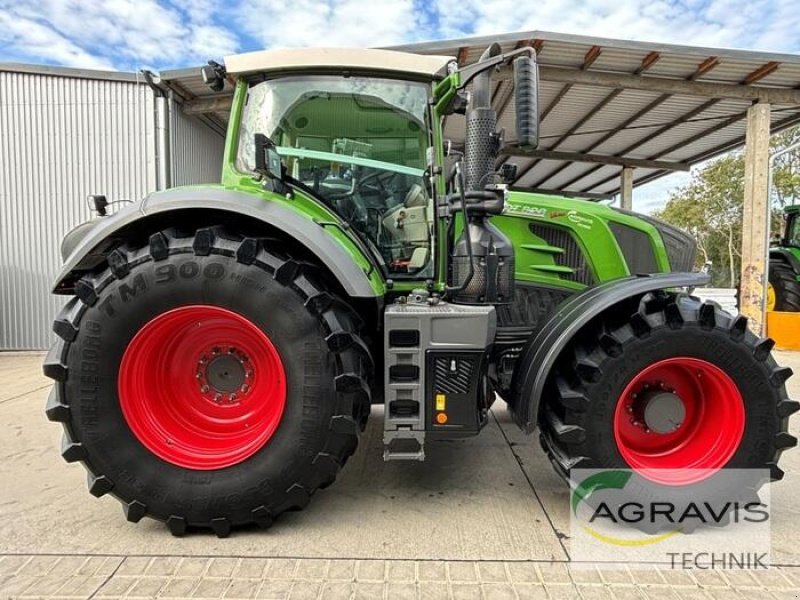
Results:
160 34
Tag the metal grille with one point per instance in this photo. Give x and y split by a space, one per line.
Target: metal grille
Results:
636 248
449 382
572 257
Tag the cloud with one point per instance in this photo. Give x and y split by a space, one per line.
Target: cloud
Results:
762 24
123 33
343 23
127 34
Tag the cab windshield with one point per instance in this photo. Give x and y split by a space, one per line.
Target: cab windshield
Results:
360 144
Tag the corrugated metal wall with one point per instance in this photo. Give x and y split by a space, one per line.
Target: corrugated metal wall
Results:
196 150
62 138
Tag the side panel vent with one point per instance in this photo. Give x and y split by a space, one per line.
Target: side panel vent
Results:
453 375
636 248
573 255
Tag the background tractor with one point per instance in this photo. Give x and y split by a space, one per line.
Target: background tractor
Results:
222 345
784 266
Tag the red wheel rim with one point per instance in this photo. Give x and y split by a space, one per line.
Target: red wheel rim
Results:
202 387
698 444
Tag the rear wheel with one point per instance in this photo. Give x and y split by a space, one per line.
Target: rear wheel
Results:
208 381
786 288
677 393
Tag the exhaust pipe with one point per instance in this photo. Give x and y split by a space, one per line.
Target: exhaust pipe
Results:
481 135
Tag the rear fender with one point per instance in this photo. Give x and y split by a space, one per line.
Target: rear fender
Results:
787 257
544 347
97 242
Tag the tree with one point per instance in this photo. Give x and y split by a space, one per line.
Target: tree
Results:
710 206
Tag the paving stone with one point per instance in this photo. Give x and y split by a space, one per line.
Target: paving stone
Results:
429 590
498 591
616 575
251 568
466 591
492 572
593 591
554 573
211 588
401 570
559 591
432 570
274 590
39 565
310 568
281 568
772 578
523 572
342 570
79 586
15 585
242 589
222 567
371 591
305 590
530 592
784 594
10 565
367 570
67 565
115 587
401 591
179 587
147 587
678 577
629 592
134 565
164 565
190 567
649 576
338 590
44 586
585 574
462 572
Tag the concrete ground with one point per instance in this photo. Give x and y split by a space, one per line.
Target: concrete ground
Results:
483 517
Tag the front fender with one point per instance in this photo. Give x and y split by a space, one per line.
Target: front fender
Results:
91 250
544 347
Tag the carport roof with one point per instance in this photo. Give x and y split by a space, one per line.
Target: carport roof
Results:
604 104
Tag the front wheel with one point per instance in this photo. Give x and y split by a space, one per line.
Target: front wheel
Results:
676 392
207 381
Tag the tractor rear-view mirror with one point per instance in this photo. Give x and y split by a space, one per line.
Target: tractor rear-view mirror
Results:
526 98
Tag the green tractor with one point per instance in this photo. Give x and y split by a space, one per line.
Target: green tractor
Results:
783 292
222 345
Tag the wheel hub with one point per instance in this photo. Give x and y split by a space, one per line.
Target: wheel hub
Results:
657 409
224 375
664 412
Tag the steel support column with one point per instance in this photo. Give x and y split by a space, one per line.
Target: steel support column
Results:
755 225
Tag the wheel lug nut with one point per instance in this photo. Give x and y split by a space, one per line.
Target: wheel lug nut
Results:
204 389
232 397
218 398
630 408
244 388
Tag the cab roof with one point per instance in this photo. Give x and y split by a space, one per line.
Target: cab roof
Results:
338 59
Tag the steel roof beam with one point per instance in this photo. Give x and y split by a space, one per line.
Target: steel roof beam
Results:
730 91
600 159
565 193
647 62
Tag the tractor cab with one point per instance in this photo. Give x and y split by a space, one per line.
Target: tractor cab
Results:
791 236
355 130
